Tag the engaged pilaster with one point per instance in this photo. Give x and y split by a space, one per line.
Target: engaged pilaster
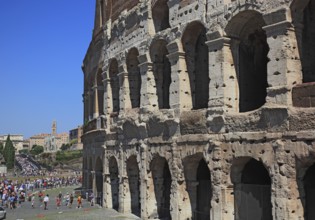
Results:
284 67
148 97
180 92
124 93
223 91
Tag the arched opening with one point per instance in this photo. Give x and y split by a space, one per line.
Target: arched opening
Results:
162 72
134 184
309 189
252 198
134 77
99 181
249 49
203 191
198 181
114 83
162 186
160 14
114 182
100 93
197 59
308 43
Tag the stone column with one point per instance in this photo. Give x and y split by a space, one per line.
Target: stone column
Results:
180 91
94 182
108 97
148 100
284 67
124 93
107 191
179 199
285 196
86 107
143 181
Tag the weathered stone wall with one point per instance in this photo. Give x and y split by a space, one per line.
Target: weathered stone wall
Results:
201 107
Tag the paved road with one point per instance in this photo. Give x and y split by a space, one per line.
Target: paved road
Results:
87 212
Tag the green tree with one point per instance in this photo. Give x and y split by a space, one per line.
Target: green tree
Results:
65 147
24 151
9 153
1 148
37 149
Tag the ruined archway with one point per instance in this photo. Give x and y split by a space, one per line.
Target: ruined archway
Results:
114 83
309 189
114 182
198 181
160 15
134 184
249 49
252 189
162 186
196 51
162 72
99 181
134 77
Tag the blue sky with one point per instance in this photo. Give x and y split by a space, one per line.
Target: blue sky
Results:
42 46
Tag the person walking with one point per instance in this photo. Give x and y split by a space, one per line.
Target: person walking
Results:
71 200
33 200
46 200
79 200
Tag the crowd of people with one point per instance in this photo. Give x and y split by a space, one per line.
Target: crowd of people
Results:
14 192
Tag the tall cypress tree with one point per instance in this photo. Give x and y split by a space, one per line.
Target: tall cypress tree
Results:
9 153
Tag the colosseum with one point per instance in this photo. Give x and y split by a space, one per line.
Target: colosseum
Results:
201 109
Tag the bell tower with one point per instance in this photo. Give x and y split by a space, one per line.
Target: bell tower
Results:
54 128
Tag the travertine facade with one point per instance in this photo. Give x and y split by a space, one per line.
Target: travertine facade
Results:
202 109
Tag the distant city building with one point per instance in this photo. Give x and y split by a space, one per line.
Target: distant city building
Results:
16 139
54 142
38 139
75 134
51 142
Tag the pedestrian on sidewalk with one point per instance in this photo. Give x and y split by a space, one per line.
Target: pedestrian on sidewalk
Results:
46 200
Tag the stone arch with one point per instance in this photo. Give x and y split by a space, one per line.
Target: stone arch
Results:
100 92
134 184
114 83
162 180
249 50
99 180
114 182
160 15
134 77
252 189
197 59
303 13
198 181
162 72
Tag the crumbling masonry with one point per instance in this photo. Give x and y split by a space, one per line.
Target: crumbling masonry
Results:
202 109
